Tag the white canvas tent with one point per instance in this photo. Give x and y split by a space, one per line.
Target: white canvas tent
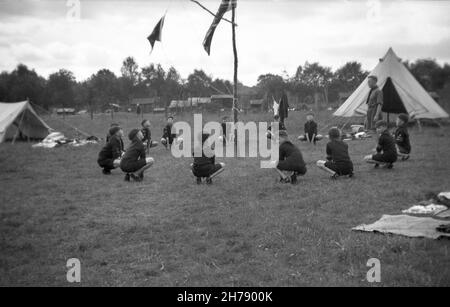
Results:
402 93
20 120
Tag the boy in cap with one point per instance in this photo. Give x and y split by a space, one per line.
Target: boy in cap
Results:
134 162
311 135
386 149
338 160
402 137
110 155
291 163
205 166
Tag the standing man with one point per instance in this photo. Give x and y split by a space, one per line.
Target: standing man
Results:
374 102
138 109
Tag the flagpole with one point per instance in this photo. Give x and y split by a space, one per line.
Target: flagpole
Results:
235 87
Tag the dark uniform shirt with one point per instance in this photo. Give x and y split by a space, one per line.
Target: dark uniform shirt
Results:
147 133
402 138
167 133
311 129
134 157
290 152
337 152
112 150
386 144
375 98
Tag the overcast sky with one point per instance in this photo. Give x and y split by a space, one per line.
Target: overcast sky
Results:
273 35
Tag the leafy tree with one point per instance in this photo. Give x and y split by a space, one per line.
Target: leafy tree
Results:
271 85
199 84
429 73
317 77
131 78
23 84
103 89
60 89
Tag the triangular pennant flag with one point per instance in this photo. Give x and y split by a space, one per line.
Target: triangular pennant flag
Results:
225 6
157 32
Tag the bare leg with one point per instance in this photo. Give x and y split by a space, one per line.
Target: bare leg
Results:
218 172
321 165
149 164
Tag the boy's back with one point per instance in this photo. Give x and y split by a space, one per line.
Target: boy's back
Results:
386 144
337 151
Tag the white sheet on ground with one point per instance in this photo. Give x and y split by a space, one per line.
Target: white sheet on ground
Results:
406 225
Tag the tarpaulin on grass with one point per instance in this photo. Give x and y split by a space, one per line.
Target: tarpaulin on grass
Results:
405 225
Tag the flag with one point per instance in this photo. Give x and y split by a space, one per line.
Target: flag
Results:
225 6
157 32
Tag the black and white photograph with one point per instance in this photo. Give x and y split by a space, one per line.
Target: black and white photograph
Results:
224 149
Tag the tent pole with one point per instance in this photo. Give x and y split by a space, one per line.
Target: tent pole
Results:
18 127
235 78
419 125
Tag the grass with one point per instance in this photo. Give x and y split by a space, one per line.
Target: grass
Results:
245 230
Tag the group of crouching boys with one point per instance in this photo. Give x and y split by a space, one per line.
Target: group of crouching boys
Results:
134 161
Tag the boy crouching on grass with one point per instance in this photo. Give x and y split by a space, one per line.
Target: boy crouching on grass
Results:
386 149
402 137
205 166
338 160
168 136
134 162
311 134
110 155
291 163
147 133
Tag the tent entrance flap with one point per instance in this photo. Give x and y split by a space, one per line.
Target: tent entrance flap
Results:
392 101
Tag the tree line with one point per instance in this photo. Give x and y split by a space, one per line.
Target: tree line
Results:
311 83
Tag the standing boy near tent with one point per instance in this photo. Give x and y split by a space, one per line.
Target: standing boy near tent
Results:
291 163
205 166
386 149
109 157
402 137
338 160
134 162
168 137
374 103
311 134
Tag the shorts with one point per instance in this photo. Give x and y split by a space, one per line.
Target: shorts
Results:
131 167
403 150
289 166
384 158
206 170
340 169
107 164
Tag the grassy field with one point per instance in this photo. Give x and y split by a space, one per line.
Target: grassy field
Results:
245 230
